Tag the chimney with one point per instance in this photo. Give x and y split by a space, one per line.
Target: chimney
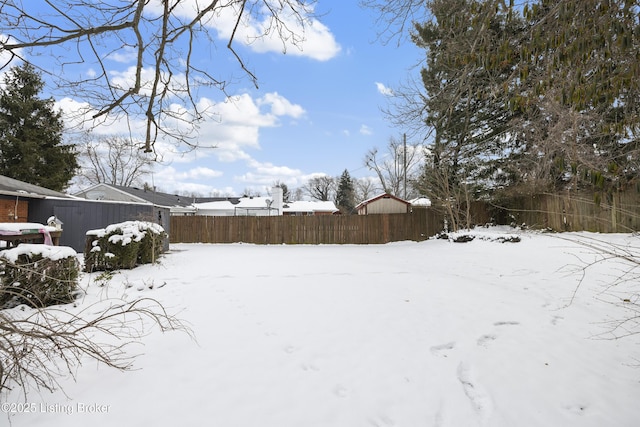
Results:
276 195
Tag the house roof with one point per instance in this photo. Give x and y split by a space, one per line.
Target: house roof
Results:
234 202
420 201
14 187
157 198
310 206
381 196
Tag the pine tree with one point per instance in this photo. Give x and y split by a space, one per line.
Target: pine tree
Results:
578 81
345 196
470 54
543 97
31 148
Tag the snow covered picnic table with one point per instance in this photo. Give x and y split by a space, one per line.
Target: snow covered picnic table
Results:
14 233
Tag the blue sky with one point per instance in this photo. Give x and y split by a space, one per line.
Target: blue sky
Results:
317 110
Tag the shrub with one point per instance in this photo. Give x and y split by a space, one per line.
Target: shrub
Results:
38 275
123 246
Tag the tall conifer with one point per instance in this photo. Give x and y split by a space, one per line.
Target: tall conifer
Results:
31 147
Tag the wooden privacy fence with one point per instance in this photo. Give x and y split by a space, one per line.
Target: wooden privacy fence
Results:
320 229
614 213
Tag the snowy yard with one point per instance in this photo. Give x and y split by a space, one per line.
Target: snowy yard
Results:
405 334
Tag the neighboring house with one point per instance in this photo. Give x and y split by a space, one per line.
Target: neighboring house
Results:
383 204
310 208
178 205
243 206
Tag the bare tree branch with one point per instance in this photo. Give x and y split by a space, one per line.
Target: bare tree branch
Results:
159 33
38 346
114 160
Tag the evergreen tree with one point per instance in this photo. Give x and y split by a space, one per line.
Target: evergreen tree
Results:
345 195
470 54
31 148
578 85
542 97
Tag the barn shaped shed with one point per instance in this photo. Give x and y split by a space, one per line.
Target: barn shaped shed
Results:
383 204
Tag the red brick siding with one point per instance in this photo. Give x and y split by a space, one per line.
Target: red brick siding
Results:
10 208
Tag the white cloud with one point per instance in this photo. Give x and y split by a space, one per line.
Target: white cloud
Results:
78 115
386 91
126 79
261 34
267 173
280 106
6 57
234 125
125 55
173 181
365 130
231 126
201 173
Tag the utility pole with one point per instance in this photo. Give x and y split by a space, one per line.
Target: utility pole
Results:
404 150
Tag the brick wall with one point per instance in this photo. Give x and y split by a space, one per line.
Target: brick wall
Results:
12 210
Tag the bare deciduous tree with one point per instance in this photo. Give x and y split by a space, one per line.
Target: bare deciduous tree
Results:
365 189
114 160
397 168
165 39
321 188
395 18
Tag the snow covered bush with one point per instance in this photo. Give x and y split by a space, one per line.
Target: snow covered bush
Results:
123 245
38 275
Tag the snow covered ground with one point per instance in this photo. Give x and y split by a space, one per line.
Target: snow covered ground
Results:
405 334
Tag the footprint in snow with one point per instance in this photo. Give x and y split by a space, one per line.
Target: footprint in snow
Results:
308 367
478 397
506 323
443 349
290 349
484 340
340 391
382 421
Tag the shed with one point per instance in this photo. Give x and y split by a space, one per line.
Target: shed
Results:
16 195
28 203
383 204
79 216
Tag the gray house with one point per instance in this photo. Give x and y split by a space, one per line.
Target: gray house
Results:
23 202
177 205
